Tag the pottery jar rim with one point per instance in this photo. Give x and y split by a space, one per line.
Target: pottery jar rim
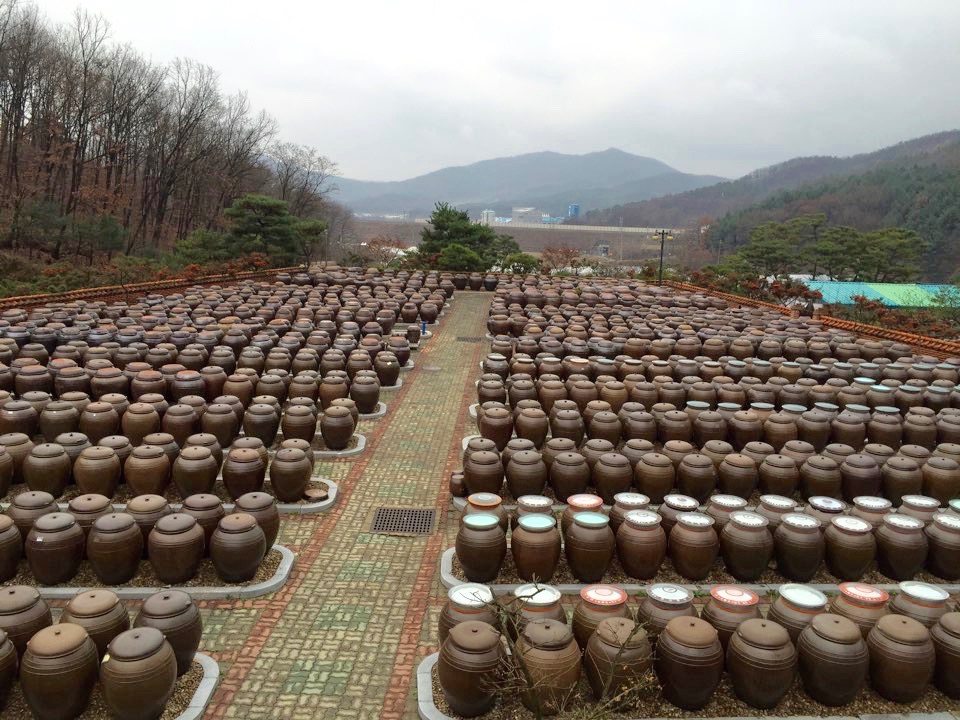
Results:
534 502
236 522
16 598
871 503
947 521
482 499
836 628
728 501
584 500
902 629
763 633
826 504
695 520
175 523
902 523
920 502
642 519
114 522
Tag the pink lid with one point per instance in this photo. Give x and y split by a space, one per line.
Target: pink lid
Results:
585 500
603 595
863 593
734 595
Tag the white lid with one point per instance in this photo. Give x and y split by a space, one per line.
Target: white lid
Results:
827 504
874 504
695 520
472 595
904 522
670 594
948 521
631 499
603 595
728 501
642 518
748 519
803 596
921 502
537 595
734 595
484 498
680 502
923 591
778 502
800 521
851 524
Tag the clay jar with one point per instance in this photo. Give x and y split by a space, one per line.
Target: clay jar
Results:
114 548
336 427
945 635
693 545
237 547
622 504
921 601
483 472
147 470
943 538
175 548
481 547
552 659
173 613
87 508
11 548
22 614
468 667
617 655
746 545
139 676
243 471
762 662
299 422
859 475
738 475
589 546
526 473
194 471
672 507
863 604
799 547
654 476
902 658
597 603
641 544
696 476
465 603
612 474
290 473
58 672
97 471
100 613
497 424
779 475
730 605
535 545
8 667
900 476
941 479
54 548
47 469
851 547
832 659
146 510
207 509
689 662
569 475
139 420
795 607
901 546
263 507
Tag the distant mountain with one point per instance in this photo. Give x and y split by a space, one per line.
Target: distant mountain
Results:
687 208
548 181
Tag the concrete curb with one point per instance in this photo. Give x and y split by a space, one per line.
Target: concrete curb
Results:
203 592
393 387
409 366
449 580
204 694
428 710
378 413
334 454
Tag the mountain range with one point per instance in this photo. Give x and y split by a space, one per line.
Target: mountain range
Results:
549 181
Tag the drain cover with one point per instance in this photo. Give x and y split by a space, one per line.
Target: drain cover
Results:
403 520
469 338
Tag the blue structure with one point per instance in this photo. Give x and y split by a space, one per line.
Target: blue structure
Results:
890 294
573 210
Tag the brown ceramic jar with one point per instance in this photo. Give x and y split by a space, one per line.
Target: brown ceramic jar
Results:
173 613
941 479
730 605
863 604
641 544
8 667
569 475
923 602
483 472
746 545
237 547
799 547
290 473
243 472
689 662
860 475
23 613
589 546
762 662
696 476
147 470
336 427
622 504
263 507
468 667
662 603
114 548
693 545
481 547
97 471
901 546
902 658
597 603
795 607
47 469
851 547
465 603
100 613
54 548
943 537
58 672
11 548
672 507
535 546
146 510
175 548
617 655
552 659
612 474
945 635
654 476
139 676
832 659
526 473
738 475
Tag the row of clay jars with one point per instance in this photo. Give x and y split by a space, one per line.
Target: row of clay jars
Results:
150 468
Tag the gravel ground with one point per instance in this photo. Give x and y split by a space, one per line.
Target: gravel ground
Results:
146 577
649 703
183 691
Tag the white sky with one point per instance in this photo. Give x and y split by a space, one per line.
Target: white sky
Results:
392 89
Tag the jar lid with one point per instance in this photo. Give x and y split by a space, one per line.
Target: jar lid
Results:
826 504
955 505
777 502
921 502
584 500
135 644
670 594
591 519
175 523
631 499
794 408
254 501
749 520
951 623
923 592
642 519
168 603
691 631
728 501
474 636
15 598
800 521
850 524
481 521
470 595
697 521
863 593
548 634
734 595
57 640
534 501
803 596
47 450
89 503
902 522
680 502
872 503
606 595
54 522
537 595
763 633
537 522
237 522
903 629
836 628
621 633
93 603
947 521
148 452
114 522
484 499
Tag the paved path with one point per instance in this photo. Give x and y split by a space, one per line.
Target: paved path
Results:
342 639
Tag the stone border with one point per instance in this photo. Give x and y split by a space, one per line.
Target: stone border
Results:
334 454
203 592
428 710
204 694
449 580
288 508
409 366
393 387
472 410
378 413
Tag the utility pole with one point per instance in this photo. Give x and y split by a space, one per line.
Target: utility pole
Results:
664 235
621 239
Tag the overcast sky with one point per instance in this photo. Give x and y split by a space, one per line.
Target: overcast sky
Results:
394 89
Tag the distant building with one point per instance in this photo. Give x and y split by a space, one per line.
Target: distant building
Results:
488 217
600 249
527 215
573 211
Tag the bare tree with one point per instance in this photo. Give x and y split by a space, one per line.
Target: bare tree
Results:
302 176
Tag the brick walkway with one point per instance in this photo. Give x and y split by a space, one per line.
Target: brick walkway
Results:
344 636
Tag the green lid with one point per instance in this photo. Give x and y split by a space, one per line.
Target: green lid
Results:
481 521
538 522
591 519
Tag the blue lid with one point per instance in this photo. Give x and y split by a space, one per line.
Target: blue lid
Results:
481 521
537 522
591 519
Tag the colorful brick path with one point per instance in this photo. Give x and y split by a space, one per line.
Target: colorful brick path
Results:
342 639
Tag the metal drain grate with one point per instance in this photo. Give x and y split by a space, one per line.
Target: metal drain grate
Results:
403 521
469 338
